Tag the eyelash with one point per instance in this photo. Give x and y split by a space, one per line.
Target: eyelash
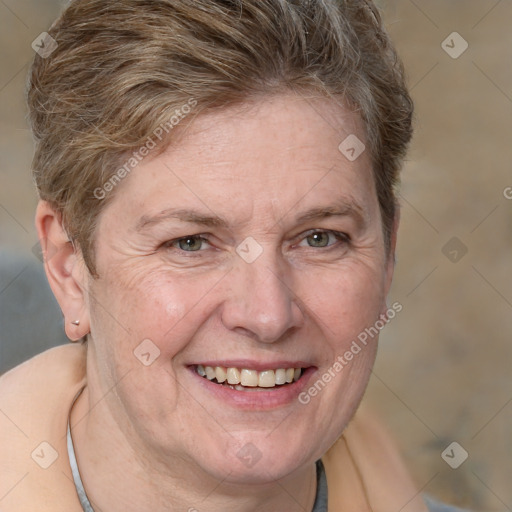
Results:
341 237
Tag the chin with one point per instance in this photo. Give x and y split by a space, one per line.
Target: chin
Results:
256 462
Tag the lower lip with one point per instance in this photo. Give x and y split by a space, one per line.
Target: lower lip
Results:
278 396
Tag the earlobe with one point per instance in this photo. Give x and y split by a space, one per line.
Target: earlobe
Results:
65 270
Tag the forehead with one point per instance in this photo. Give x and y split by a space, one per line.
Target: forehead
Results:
272 155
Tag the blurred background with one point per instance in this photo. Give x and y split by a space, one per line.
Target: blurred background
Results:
444 369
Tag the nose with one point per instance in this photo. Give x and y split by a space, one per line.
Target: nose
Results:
261 302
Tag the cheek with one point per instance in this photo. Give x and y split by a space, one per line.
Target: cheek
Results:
152 316
164 307
345 301
343 304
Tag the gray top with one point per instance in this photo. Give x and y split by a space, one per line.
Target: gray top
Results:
320 504
436 506
82 496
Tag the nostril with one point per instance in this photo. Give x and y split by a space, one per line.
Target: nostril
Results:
261 307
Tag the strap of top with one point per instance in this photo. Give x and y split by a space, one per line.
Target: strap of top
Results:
79 486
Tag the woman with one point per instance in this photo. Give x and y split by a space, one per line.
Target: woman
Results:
218 221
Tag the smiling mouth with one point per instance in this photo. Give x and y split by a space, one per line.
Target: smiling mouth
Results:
243 379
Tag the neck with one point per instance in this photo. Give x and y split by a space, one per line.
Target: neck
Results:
119 478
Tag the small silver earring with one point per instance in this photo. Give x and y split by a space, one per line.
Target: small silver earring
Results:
76 322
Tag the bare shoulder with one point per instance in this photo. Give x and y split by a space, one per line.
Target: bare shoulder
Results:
50 367
35 398
32 392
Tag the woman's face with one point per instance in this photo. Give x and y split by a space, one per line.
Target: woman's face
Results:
254 243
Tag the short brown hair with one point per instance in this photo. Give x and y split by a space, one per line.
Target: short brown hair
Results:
121 66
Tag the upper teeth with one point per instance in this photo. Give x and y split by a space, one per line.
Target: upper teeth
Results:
250 378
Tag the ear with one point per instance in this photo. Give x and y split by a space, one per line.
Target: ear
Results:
65 270
390 262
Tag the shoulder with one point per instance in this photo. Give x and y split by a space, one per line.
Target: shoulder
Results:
35 380
35 398
52 358
367 454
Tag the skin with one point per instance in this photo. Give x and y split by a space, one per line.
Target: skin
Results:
152 437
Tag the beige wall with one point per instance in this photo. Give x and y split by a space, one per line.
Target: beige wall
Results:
445 364
444 368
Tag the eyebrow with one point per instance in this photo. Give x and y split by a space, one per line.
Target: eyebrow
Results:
345 208
183 215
